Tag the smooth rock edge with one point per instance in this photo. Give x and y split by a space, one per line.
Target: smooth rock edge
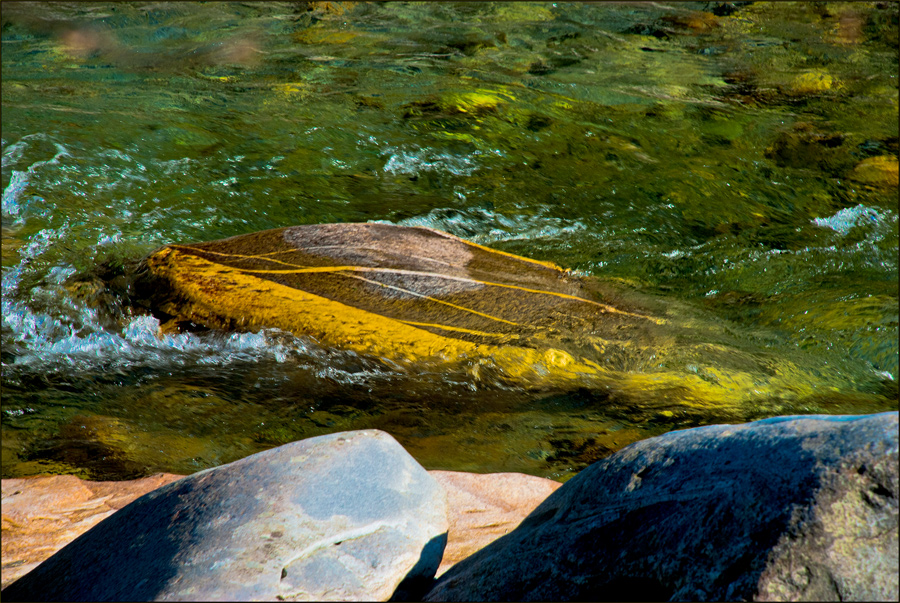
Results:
789 508
199 538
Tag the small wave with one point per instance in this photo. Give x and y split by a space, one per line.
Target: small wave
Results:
843 221
14 152
412 162
486 227
51 344
13 205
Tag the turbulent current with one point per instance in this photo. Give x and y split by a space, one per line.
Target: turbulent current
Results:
731 165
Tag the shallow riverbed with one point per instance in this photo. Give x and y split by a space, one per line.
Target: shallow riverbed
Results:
735 161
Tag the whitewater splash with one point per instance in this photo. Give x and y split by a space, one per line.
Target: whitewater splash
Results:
845 220
46 328
487 227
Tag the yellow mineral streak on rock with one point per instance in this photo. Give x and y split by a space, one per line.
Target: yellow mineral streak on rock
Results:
459 329
550 265
214 292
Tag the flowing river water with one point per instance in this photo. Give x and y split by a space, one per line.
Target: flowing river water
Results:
736 161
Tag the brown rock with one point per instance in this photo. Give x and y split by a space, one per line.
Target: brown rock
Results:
806 147
43 514
485 507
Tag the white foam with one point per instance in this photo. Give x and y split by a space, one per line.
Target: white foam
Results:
13 206
844 220
485 227
79 341
412 162
11 194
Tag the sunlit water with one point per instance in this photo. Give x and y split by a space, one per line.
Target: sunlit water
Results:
733 159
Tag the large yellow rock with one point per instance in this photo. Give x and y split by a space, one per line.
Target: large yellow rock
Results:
411 295
426 299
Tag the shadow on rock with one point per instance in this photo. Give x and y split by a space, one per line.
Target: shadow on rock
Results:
790 508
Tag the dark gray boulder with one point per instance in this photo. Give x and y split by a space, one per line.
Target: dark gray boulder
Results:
346 516
789 508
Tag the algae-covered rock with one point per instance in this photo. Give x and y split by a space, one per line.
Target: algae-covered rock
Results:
406 294
805 147
877 171
813 82
426 299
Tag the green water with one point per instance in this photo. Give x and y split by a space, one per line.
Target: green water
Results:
737 159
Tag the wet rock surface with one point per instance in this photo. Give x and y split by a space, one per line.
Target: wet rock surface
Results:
348 516
789 508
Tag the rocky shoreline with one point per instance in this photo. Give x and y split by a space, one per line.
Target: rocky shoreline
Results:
786 508
41 515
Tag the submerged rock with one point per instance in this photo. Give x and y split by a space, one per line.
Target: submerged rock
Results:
789 508
804 147
883 170
412 295
348 516
429 300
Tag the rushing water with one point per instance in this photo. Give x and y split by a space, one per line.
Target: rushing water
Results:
735 158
